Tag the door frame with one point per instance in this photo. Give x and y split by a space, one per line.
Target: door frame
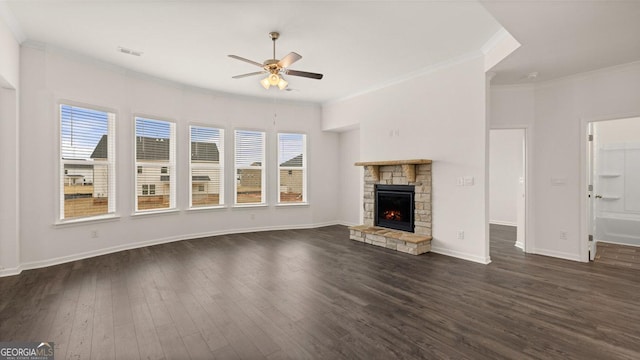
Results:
584 178
529 239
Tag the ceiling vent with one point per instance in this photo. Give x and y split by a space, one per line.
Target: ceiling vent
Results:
532 76
129 51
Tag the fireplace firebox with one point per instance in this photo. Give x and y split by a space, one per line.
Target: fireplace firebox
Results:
394 206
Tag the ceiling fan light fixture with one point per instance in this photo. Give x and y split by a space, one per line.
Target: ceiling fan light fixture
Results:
282 84
274 67
274 79
265 83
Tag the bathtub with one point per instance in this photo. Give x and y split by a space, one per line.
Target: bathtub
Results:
618 228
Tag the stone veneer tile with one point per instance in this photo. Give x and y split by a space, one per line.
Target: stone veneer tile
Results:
393 173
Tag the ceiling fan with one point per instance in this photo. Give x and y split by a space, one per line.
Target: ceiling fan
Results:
275 68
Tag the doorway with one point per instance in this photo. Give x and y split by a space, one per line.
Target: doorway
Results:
613 177
507 184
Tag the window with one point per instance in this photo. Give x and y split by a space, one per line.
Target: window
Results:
155 155
207 166
292 168
249 167
148 189
87 162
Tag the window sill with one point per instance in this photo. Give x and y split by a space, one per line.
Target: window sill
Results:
141 214
205 208
285 205
87 220
250 206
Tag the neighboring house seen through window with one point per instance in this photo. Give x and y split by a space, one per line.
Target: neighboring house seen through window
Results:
249 167
87 162
155 157
206 165
292 168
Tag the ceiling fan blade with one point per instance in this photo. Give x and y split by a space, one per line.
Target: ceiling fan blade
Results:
245 60
249 74
304 74
289 59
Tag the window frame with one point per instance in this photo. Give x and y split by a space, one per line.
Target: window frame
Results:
112 116
171 164
262 168
290 169
220 166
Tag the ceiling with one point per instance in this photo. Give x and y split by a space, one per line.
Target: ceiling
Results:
357 45
561 38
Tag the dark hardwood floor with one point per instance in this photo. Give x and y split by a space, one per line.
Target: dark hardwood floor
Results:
618 255
315 294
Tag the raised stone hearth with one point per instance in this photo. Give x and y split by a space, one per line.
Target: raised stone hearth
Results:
397 172
391 239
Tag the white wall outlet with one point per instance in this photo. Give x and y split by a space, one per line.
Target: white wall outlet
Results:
460 234
563 235
94 233
468 181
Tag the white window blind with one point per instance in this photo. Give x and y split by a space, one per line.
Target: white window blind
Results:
87 162
292 168
207 166
155 164
249 167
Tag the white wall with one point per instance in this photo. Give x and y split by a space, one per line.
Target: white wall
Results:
618 131
559 109
440 116
505 169
9 158
50 76
512 106
351 177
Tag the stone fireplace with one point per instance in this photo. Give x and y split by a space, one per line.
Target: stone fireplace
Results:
400 181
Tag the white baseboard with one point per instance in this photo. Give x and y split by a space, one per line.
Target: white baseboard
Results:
557 254
520 245
89 254
616 243
10 271
461 255
346 223
500 222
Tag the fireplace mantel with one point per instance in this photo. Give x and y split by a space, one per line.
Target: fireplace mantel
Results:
408 167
